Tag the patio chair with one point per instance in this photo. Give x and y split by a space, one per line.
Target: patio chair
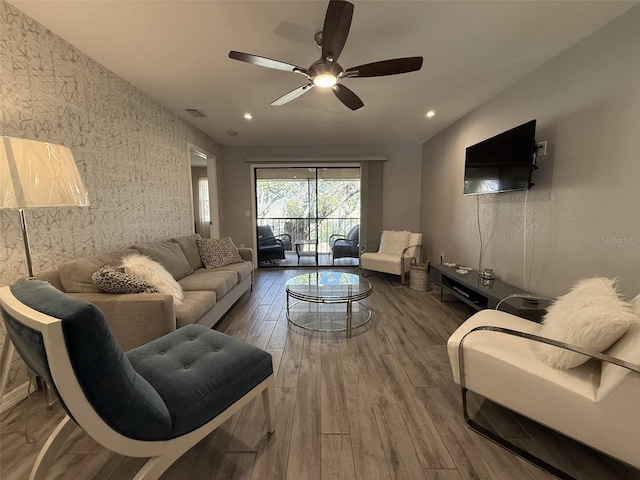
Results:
396 251
270 248
345 246
156 401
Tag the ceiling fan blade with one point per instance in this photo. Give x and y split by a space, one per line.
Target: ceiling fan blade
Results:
266 62
293 94
385 67
337 23
347 97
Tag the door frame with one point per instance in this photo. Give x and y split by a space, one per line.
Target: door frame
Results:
300 164
212 175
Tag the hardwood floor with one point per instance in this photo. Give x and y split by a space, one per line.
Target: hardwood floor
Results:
379 406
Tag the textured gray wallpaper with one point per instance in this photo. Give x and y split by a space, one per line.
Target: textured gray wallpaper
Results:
131 151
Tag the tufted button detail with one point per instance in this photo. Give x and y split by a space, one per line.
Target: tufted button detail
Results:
216 349
192 338
186 367
161 353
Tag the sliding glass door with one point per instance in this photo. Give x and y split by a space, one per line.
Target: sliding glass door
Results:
308 203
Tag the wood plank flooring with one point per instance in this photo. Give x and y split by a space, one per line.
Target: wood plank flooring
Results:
379 406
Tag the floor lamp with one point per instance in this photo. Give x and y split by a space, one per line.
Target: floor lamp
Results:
35 175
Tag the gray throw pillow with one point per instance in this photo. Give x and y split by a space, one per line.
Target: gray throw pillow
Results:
218 253
110 280
169 255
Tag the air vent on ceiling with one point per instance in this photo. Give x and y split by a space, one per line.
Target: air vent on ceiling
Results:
196 113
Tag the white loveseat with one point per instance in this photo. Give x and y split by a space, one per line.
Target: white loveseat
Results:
595 403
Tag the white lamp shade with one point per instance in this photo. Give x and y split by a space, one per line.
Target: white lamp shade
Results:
38 174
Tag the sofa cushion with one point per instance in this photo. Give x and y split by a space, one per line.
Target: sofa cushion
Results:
218 253
169 255
75 275
199 373
193 307
241 269
203 279
110 280
154 273
190 249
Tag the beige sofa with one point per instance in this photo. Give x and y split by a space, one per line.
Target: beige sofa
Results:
138 318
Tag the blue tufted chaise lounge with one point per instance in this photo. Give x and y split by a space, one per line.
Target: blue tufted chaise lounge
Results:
157 400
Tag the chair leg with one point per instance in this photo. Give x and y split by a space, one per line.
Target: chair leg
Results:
51 447
511 447
5 363
370 273
156 466
269 403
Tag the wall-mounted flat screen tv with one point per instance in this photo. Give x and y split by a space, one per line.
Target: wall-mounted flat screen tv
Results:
502 163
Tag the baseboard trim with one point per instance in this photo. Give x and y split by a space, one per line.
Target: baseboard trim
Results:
14 397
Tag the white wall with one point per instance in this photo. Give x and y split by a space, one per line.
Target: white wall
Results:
401 191
583 214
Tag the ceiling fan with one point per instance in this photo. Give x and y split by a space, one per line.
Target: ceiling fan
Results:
326 72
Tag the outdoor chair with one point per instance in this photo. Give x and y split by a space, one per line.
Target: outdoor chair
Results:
396 251
345 246
270 248
156 401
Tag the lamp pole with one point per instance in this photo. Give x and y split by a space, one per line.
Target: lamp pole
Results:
27 246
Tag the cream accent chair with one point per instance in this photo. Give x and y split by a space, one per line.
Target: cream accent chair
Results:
595 403
396 251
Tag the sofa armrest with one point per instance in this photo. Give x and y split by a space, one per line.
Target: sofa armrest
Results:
134 319
246 253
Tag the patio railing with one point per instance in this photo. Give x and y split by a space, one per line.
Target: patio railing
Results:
310 228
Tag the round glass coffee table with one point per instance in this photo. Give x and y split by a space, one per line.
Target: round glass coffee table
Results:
328 301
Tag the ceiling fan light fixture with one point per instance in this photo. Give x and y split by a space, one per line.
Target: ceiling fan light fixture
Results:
325 80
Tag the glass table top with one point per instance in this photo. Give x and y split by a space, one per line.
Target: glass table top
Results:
328 287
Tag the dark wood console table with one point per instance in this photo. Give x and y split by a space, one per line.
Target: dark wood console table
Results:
480 294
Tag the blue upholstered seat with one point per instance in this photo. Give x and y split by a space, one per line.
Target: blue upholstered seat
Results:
199 372
158 391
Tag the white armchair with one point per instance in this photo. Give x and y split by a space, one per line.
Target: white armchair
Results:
595 403
394 255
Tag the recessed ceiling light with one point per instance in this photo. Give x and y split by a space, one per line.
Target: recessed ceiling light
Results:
431 113
248 116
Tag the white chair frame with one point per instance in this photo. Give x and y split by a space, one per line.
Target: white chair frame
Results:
162 453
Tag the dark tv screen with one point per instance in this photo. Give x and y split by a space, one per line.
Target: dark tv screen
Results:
502 163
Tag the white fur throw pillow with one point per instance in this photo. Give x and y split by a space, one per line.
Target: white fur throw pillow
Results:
591 315
155 274
393 242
